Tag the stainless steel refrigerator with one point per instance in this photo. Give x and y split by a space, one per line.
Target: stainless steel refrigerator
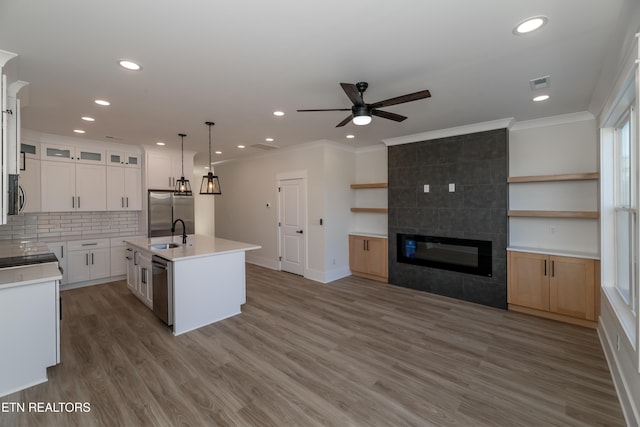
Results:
164 208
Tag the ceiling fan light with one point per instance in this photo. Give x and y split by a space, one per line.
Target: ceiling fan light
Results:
361 120
361 116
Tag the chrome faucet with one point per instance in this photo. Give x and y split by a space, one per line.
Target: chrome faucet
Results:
184 230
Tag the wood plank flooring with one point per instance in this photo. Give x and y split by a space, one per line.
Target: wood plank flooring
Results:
351 353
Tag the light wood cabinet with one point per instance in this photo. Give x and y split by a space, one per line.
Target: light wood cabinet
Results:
368 257
552 286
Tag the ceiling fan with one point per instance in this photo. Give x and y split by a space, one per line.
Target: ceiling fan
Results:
361 112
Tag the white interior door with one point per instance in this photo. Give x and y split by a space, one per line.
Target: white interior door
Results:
292 229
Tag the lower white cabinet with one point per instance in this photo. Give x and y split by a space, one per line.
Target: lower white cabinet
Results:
119 255
88 260
140 274
59 249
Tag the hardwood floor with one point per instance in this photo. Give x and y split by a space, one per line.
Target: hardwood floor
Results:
351 353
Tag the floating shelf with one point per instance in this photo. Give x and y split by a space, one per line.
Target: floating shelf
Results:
370 210
555 214
556 177
371 185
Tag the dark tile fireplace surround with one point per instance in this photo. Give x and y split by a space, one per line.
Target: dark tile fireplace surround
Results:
477 165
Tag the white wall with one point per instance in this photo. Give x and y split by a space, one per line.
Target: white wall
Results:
371 166
249 184
204 206
555 145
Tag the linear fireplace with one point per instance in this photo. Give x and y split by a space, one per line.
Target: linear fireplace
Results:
447 253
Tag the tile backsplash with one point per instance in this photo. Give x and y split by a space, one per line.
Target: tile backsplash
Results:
47 225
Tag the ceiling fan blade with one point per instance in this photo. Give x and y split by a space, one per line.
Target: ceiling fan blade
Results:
327 109
402 99
387 115
345 121
352 92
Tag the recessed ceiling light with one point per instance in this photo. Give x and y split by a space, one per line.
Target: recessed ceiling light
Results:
278 113
541 98
206 167
102 102
269 139
129 65
351 136
530 24
78 131
160 143
88 119
240 146
218 152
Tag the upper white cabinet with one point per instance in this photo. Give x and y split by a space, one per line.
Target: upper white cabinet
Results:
73 187
124 181
164 168
123 158
70 153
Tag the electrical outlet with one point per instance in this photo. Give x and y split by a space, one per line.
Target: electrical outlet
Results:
426 188
452 188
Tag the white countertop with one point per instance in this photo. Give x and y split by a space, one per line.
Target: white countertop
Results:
29 274
543 251
197 246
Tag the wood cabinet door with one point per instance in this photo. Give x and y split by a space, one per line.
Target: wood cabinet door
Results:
377 256
528 283
572 287
357 254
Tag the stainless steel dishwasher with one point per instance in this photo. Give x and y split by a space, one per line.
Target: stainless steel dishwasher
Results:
162 290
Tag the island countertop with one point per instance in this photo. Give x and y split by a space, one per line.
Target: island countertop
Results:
197 246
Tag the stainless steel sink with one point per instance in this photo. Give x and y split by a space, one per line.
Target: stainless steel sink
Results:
164 245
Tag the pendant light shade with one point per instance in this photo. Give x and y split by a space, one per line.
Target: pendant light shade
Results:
183 186
210 183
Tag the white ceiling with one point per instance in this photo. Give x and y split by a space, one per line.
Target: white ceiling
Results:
235 62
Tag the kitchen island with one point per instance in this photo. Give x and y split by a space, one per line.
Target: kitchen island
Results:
205 278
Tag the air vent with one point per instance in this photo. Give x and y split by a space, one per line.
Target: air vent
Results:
540 83
117 138
265 147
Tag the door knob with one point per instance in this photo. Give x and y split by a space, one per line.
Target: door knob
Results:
299 231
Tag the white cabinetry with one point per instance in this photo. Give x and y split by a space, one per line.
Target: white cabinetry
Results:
71 153
73 187
124 188
119 255
59 249
140 274
88 260
30 178
165 167
30 334
5 163
123 158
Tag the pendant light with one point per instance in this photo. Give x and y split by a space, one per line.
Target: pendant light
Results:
183 187
210 183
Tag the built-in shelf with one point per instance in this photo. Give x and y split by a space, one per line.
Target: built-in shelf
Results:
370 185
556 177
554 214
370 210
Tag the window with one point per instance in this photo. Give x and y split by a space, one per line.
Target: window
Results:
625 210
